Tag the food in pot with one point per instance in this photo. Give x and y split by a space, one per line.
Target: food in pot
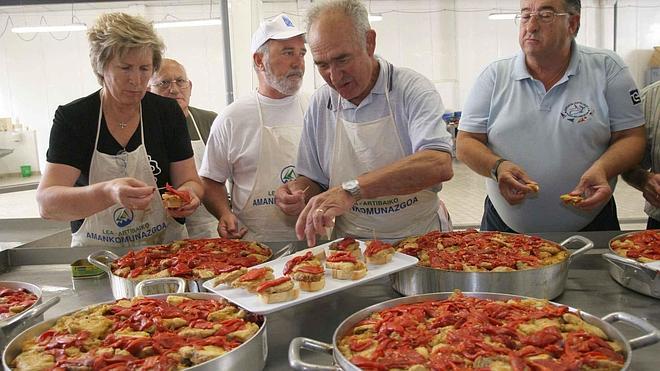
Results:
14 301
378 252
190 259
469 333
277 290
345 266
472 251
642 246
139 334
307 271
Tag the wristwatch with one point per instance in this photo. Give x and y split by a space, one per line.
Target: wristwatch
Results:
352 187
493 170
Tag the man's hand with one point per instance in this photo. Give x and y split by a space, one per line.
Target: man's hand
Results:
595 189
291 201
228 226
130 193
514 183
651 189
320 212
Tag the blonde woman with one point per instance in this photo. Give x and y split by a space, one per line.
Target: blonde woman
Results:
110 152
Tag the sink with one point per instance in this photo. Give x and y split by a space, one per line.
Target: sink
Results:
5 151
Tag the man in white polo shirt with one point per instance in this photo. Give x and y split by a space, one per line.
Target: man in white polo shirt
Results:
254 141
557 118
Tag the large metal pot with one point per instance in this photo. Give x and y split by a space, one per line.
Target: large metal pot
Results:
13 325
250 355
125 287
546 282
341 363
632 274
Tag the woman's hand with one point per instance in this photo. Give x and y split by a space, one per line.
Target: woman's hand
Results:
130 193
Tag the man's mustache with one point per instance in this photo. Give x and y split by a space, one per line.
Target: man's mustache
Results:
298 73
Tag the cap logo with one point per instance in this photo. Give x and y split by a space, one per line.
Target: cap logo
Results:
287 21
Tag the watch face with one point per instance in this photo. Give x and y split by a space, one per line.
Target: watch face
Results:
351 184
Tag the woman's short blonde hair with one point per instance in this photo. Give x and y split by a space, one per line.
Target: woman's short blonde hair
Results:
114 34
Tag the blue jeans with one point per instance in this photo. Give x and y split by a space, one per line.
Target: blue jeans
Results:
606 220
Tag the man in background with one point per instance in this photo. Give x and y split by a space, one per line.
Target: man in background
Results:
172 81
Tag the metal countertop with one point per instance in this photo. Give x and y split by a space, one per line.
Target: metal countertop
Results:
589 287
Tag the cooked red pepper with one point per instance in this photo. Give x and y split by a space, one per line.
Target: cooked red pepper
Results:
288 267
184 195
342 256
273 283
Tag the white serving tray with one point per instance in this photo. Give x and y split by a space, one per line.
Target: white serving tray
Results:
252 302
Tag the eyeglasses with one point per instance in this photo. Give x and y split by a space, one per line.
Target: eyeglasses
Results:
165 84
543 16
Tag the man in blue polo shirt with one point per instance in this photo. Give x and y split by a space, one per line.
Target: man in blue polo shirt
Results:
557 118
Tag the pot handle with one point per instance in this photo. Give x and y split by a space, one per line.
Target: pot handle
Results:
620 260
588 245
309 344
37 310
180 284
93 259
652 337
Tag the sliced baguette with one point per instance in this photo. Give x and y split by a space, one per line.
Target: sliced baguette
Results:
172 201
349 274
312 286
381 257
279 297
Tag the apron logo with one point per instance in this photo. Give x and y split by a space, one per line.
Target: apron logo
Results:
577 113
288 174
123 217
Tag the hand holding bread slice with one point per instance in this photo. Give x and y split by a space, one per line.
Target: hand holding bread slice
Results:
174 199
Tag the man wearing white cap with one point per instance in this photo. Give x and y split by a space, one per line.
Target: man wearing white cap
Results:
254 141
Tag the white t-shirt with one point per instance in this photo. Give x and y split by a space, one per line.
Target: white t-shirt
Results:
232 151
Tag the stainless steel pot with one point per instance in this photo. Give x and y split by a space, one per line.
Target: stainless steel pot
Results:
546 282
632 274
250 355
12 326
341 363
125 287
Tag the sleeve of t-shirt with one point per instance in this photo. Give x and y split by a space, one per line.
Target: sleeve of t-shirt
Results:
424 109
476 110
623 101
177 137
66 144
216 164
308 162
651 108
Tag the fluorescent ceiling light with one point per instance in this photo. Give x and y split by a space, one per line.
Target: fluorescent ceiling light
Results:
67 28
375 17
501 16
198 22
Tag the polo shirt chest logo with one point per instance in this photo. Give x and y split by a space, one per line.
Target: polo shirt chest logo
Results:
577 113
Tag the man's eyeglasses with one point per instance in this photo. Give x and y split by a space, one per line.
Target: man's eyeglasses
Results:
544 16
165 84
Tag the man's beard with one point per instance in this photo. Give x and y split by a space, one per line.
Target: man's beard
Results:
283 84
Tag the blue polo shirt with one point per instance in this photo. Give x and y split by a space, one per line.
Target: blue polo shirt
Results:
555 135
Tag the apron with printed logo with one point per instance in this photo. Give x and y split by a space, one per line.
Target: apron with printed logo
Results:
277 156
201 223
118 226
362 147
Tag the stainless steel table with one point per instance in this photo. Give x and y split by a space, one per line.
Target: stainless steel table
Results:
589 288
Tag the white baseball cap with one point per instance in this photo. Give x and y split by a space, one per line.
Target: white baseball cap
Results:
278 28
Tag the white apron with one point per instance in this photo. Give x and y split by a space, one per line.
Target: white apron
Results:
366 146
117 226
277 157
201 223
